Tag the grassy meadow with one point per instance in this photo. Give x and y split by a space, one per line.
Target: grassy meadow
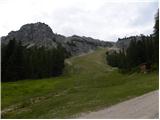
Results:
88 84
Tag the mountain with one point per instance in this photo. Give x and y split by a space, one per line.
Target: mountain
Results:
40 34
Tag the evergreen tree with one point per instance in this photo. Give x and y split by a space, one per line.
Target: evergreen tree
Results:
7 56
156 38
19 62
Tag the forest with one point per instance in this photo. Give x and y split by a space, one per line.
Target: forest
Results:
139 52
19 62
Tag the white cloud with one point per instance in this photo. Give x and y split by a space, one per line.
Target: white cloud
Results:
102 19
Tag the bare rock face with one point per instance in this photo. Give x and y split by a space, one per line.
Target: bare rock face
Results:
39 34
78 45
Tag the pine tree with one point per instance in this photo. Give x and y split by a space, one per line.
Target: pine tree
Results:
156 38
7 63
19 62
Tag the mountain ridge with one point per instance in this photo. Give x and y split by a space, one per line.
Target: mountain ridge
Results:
40 34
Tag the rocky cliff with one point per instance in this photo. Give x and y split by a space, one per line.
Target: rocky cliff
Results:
39 34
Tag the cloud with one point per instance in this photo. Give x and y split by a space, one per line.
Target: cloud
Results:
102 19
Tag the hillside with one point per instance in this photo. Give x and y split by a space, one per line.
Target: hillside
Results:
40 34
88 84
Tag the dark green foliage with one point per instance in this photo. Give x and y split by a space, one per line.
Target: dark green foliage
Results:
156 38
19 62
138 52
141 51
112 59
13 61
58 62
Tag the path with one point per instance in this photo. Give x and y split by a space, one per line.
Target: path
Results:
145 106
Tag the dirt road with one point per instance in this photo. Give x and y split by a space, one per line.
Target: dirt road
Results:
145 106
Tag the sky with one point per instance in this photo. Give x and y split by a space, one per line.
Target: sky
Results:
106 20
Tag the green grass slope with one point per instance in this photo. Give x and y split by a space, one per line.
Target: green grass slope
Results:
88 84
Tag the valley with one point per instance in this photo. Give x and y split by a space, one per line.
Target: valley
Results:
87 84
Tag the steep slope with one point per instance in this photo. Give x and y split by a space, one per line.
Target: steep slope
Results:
88 84
77 45
39 34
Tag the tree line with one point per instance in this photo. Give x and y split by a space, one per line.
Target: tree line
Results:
141 51
19 62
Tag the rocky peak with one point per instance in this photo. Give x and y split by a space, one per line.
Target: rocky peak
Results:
37 27
38 34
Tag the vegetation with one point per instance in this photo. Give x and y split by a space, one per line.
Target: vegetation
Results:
141 51
87 84
156 37
19 62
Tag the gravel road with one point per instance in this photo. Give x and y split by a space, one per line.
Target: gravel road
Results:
143 107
